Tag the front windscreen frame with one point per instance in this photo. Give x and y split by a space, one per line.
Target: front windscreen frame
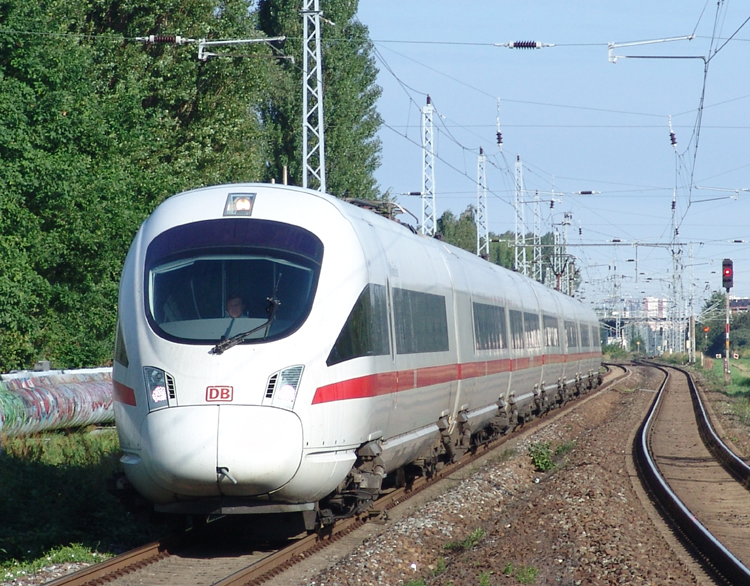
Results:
265 258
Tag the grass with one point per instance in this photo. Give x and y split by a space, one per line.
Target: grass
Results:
522 574
544 458
738 388
76 552
739 381
55 505
440 566
472 540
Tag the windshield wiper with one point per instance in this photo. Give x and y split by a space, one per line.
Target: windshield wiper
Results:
225 345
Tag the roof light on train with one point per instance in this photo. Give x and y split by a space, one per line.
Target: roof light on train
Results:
239 204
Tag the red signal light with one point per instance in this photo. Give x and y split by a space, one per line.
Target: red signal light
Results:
727 273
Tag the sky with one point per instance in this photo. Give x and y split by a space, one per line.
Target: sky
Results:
579 122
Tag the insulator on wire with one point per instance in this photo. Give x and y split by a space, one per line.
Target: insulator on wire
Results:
171 39
552 204
499 138
674 204
672 137
525 45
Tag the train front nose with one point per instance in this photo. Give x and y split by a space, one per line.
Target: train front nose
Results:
208 450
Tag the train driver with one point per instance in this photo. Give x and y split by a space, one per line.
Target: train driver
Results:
235 306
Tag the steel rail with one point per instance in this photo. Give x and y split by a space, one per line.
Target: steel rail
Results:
124 563
721 560
275 563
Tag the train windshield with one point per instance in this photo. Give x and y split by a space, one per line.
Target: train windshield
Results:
210 281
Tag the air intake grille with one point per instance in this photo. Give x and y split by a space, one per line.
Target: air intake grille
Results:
271 385
171 389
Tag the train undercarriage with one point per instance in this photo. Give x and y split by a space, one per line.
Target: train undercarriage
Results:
368 479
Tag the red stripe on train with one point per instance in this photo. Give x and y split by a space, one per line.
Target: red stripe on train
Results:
123 394
381 384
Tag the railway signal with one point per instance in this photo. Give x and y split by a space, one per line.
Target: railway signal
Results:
727 274
727 279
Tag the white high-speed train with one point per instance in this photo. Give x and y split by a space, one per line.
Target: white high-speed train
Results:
279 350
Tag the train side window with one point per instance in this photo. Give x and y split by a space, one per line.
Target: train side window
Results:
421 322
585 336
531 330
516 329
365 332
551 331
571 333
489 327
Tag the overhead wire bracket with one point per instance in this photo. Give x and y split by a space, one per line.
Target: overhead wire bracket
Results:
613 58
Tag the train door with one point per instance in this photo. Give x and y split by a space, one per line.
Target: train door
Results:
461 319
379 407
424 332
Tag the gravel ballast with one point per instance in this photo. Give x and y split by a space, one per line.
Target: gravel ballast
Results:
584 522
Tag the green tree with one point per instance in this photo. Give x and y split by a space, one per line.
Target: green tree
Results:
461 231
501 249
350 93
713 317
95 131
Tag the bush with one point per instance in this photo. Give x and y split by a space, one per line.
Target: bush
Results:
541 456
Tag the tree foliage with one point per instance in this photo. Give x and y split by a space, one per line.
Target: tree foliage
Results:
350 93
713 317
462 232
97 129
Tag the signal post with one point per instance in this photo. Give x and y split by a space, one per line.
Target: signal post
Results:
727 280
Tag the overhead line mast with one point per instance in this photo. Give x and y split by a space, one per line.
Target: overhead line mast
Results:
483 235
313 135
520 264
428 171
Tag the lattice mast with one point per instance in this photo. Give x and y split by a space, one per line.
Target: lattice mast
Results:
520 264
313 139
537 260
677 318
483 234
428 171
567 277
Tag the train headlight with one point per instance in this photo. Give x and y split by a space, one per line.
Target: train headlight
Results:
239 204
156 388
281 390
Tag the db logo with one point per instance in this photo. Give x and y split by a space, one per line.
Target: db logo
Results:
214 394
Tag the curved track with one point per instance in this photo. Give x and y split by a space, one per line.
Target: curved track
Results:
221 557
698 482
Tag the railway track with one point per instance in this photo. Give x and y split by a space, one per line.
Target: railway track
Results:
698 483
223 558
